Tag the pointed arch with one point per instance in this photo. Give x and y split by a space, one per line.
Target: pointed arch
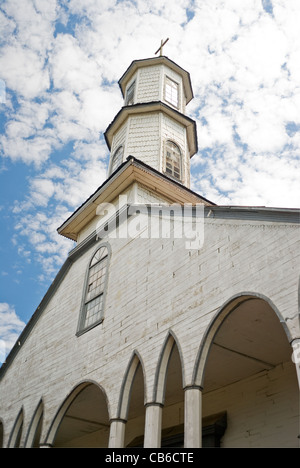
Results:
247 347
34 431
223 312
73 396
128 379
16 433
162 367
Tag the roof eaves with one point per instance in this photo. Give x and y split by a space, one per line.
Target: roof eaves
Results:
135 64
272 214
161 106
165 177
130 160
96 193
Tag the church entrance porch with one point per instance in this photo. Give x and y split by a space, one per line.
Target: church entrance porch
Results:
247 373
244 391
83 419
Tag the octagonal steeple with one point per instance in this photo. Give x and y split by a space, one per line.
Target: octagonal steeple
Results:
156 79
152 125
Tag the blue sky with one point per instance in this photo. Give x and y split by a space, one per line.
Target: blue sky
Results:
59 66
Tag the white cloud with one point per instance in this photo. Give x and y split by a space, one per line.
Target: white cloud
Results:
38 240
94 102
10 328
259 52
34 20
23 70
90 7
53 194
36 150
248 96
71 68
244 61
7 26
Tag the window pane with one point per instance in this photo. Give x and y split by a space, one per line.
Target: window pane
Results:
173 160
93 311
102 252
96 279
171 92
130 95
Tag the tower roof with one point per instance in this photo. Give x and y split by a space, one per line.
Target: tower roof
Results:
162 60
156 106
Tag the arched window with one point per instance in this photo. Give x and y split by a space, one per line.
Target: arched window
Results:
117 159
173 160
94 291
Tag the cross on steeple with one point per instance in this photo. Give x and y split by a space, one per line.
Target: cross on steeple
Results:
160 49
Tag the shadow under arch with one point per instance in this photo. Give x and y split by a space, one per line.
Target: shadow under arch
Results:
16 433
222 314
84 410
1 433
134 365
171 342
131 408
34 431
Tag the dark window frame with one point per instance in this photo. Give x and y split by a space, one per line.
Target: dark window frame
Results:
170 169
170 88
130 92
82 327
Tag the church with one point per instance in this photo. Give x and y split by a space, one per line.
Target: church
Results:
174 322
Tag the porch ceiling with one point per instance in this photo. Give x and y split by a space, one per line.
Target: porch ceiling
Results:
250 340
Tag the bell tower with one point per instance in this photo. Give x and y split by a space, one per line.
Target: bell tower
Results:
151 141
152 125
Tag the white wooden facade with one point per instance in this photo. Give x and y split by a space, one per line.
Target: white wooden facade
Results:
195 342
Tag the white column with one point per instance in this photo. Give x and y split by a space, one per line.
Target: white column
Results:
193 417
296 356
117 433
152 437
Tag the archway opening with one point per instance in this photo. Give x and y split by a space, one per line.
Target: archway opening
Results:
173 410
16 435
250 382
134 433
35 429
37 435
85 423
